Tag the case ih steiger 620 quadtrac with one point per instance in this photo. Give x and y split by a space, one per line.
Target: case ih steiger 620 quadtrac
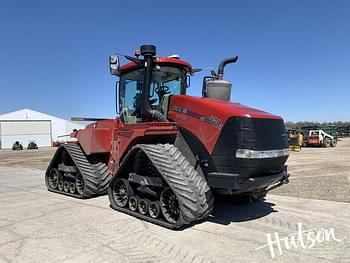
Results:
167 153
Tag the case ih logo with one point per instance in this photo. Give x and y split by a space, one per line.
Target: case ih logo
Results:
215 121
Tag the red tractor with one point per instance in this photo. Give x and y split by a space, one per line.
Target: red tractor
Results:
167 153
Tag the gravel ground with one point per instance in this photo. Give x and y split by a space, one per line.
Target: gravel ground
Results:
319 173
316 173
36 159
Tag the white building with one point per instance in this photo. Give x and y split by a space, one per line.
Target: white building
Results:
29 125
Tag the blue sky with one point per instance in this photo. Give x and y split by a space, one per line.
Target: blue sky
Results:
294 56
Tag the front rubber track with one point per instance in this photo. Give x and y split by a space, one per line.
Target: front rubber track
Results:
96 175
190 188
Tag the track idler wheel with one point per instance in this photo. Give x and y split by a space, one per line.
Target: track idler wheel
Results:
79 184
134 203
53 179
66 186
169 206
144 206
72 187
154 209
60 184
121 192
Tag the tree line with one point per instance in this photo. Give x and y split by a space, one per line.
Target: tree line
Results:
299 124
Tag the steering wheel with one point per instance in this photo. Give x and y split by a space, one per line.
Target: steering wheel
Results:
161 91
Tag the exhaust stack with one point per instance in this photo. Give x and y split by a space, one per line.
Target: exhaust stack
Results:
217 87
148 52
223 64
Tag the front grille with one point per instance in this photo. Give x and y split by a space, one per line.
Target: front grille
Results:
251 134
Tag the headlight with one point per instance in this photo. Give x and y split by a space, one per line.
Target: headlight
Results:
252 154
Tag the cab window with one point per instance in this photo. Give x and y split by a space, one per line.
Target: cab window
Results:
165 81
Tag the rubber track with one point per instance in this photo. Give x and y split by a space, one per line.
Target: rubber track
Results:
191 189
96 176
104 175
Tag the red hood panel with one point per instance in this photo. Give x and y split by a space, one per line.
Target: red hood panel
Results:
224 109
205 117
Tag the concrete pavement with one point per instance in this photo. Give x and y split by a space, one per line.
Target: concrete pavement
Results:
39 226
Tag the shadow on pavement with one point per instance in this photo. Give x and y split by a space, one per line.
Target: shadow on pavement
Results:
228 210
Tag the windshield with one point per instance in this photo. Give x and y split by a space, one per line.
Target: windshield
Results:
165 80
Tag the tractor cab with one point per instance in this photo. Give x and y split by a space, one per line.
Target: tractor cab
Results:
145 85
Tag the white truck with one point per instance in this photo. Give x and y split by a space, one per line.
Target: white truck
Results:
321 138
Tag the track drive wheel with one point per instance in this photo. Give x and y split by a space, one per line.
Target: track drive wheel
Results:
53 178
121 192
169 206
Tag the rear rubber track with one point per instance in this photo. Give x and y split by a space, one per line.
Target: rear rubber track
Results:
96 175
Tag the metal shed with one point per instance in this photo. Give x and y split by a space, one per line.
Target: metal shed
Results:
27 125
25 131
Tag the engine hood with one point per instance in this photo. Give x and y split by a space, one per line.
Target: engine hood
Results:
224 109
205 117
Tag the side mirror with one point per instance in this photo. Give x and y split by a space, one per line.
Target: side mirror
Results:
114 64
188 81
